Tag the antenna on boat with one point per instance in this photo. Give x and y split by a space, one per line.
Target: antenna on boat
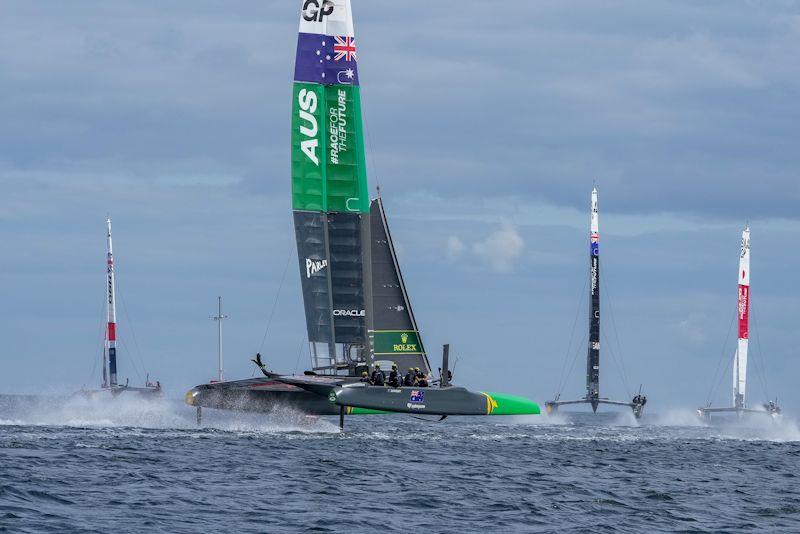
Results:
219 318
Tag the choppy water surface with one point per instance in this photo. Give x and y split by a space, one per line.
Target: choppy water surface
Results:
132 466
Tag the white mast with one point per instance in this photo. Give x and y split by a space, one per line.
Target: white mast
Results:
743 312
111 331
219 318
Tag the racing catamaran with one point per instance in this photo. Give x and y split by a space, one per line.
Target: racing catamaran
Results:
110 382
592 396
358 312
740 356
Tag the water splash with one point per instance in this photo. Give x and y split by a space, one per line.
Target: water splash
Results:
760 428
78 411
676 418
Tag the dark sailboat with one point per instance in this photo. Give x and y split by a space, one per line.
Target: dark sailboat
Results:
357 309
593 397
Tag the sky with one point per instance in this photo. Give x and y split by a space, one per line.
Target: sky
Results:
487 124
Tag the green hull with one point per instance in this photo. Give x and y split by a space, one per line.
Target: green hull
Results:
360 398
505 405
512 405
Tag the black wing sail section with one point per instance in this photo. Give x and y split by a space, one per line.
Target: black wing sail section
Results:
312 251
395 335
593 356
347 278
331 271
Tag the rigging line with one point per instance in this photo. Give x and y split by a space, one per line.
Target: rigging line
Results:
715 379
719 380
299 353
763 372
625 382
129 324
135 368
617 364
370 145
562 380
277 296
583 342
100 341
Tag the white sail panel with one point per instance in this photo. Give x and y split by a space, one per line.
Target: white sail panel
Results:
744 258
743 314
327 17
740 373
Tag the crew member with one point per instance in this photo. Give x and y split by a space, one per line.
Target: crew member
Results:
422 381
365 377
410 377
419 373
394 377
378 378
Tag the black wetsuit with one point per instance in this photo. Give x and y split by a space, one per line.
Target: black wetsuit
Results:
366 379
394 379
409 379
422 382
378 378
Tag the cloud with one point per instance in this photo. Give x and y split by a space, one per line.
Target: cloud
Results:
679 107
501 248
455 247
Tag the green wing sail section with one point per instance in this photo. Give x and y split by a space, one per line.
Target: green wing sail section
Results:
328 164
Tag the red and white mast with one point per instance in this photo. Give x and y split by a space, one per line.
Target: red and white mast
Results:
743 313
111 331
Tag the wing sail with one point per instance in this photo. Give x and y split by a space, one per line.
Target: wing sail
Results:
329 185
396 336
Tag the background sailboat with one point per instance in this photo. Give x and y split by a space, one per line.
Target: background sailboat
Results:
110 380
739 406
592 396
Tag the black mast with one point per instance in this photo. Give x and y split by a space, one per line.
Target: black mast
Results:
593 356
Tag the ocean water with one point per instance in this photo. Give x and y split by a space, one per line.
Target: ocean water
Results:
142 466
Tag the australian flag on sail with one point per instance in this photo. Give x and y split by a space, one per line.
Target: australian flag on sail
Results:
326 59
595 245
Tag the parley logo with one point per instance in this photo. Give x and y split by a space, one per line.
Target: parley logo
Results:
308 125
314 12
314 266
